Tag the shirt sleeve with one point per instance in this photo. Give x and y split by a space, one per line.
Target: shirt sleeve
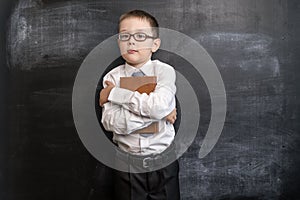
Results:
157 104
119 120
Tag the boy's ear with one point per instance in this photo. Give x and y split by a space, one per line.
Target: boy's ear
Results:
156 45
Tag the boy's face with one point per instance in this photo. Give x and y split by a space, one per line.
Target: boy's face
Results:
137 53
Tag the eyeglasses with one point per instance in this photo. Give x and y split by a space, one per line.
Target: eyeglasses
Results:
140 37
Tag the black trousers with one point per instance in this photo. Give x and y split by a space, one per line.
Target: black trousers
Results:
162 184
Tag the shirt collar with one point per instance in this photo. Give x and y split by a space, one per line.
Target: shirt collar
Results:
146 68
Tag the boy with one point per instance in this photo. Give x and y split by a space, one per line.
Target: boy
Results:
125 111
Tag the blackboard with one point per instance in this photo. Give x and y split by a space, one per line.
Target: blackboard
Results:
254 44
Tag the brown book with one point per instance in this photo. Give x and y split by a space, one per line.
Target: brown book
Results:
142 84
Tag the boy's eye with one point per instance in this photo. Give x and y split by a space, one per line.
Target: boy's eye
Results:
124 36
140 36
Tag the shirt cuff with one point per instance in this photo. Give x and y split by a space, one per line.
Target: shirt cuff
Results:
119 95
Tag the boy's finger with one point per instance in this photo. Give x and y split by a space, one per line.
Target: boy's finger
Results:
108 83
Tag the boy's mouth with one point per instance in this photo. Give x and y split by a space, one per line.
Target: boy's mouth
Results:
131 51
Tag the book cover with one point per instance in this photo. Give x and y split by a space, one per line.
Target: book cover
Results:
142 84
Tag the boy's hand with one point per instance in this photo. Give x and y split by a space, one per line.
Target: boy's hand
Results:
105 93
172 116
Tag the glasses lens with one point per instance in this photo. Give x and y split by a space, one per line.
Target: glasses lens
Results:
140 36
124 36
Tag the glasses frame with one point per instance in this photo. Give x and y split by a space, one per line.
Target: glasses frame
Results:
134 36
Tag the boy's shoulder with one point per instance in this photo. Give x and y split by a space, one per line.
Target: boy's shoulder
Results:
162 65
116 69
158 62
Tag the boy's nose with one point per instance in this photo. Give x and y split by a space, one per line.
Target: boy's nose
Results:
131 40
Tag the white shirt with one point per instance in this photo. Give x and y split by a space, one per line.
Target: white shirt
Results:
128 111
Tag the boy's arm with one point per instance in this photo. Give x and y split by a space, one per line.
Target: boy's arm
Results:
117 119
104 93
122 121
156 105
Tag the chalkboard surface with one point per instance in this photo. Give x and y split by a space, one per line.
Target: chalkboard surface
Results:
255 45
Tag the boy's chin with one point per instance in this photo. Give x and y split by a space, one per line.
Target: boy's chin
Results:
134 64
132 61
